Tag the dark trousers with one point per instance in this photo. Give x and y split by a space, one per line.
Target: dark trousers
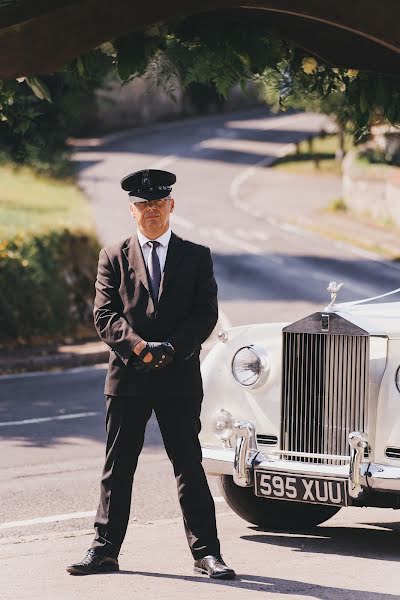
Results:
179 421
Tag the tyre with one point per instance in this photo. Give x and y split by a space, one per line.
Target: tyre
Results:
273 514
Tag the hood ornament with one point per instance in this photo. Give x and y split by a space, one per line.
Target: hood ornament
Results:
333 289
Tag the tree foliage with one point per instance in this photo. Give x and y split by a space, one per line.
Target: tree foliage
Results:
37 114
216 50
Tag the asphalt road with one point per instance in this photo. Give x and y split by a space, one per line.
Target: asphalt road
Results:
52 425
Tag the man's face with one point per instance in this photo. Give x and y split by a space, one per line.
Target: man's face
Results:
152 216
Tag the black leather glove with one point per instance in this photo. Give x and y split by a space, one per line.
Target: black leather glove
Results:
162 352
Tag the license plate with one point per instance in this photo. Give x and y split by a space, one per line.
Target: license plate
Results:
298 488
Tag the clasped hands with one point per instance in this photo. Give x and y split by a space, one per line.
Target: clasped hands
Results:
152 356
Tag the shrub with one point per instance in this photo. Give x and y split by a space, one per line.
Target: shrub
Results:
337 205
46 284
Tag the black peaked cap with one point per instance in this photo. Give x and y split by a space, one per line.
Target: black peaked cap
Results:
149 184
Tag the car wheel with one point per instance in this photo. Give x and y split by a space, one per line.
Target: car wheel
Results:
273 514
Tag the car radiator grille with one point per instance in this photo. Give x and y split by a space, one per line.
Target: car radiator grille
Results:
324 393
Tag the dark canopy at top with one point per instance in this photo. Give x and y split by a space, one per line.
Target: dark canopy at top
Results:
39 37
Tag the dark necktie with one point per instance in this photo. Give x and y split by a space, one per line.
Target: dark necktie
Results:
153 266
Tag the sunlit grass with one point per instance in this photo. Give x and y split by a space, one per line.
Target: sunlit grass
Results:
315 157
371 246
32 203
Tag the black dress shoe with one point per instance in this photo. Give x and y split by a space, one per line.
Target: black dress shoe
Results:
213 566
94 563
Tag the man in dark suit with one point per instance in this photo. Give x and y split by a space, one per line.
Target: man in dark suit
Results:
155 304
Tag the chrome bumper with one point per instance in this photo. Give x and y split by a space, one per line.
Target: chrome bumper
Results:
241 461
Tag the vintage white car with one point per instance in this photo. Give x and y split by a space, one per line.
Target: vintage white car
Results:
301 419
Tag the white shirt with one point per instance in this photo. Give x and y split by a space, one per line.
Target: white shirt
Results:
161 249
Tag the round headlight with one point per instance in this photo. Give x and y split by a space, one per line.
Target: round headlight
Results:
397 378
250 366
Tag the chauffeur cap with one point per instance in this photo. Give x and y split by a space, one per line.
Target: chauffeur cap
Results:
149 184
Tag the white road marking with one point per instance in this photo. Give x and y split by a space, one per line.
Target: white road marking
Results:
258 234
289 227
49 519
45 419
218 234
68 516
230 240
295 229
53 373
250 171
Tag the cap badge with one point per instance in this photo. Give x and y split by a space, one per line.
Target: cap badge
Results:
145 179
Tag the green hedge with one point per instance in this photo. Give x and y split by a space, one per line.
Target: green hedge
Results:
46 285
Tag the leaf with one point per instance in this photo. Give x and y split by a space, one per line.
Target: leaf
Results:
80 67
124 67
135 52
39 88
243 85
364 108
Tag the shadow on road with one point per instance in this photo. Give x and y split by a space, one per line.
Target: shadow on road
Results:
292 278
190 139
272 585
59 395
376 544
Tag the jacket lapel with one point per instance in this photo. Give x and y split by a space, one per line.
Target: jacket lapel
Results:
134 255
174 256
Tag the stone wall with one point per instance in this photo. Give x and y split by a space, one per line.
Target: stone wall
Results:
373 192
140 102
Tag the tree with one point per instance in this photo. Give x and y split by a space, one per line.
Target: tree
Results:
38 114
219 50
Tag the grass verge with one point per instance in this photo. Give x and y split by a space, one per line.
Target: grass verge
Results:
332 230
30 203
313 157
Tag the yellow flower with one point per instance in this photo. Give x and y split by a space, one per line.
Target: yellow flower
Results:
351 72
342 87
309 65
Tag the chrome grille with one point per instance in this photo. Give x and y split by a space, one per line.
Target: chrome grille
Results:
324 390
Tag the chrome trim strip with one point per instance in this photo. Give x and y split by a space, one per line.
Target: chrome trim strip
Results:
358 442
218 461
377 477
381 478
245 453
306 469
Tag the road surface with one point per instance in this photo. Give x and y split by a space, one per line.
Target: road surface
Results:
52 425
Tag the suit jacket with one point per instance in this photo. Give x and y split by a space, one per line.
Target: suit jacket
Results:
124 314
